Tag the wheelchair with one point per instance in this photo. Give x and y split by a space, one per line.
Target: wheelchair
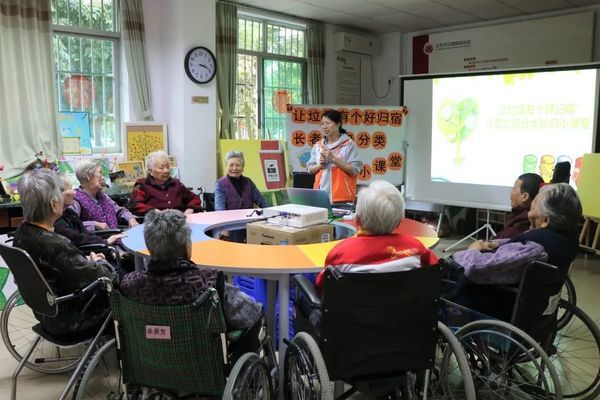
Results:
65 354
550 348
174 352
379 333
17 320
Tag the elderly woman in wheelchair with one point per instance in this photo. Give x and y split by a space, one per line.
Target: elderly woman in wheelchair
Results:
375 327
540 346
554 215
181 329
57 283
62 264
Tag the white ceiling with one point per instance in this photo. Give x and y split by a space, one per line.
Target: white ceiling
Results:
380 16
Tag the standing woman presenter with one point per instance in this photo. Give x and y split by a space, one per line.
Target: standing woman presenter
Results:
334 160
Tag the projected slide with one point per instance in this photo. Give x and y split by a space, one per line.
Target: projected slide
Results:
487 130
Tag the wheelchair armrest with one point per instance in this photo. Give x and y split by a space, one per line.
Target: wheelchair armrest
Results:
307 289
103 281
509 288
107 232
87 248
452 265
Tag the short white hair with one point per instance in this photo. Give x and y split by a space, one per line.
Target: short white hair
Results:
38 188
154 156
235 154
85 169
380 207
560 203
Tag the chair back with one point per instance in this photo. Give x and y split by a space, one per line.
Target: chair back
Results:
379 324
179 348
208 201
536 305
33 287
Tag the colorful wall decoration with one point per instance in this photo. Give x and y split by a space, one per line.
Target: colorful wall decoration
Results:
378 132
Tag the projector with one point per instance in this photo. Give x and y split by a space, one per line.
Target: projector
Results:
296 215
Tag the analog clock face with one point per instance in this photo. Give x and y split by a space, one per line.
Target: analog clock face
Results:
200 65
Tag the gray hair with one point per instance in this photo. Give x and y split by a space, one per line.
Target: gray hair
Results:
65 180
234 154
380 207
560 203
167 234
155 155
86 168
37 190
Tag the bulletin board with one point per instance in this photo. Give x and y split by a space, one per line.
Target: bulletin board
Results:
142 138
378 131
588 188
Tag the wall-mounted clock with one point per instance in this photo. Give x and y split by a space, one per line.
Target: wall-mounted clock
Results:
200 65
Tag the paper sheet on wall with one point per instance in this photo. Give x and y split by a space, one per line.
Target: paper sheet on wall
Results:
347 79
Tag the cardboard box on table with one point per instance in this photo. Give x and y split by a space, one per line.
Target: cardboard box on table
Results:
262 232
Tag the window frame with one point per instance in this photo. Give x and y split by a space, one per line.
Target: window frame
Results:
115 38
263 55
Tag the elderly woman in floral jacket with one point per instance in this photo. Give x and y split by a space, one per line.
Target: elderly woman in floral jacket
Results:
94 207
554 215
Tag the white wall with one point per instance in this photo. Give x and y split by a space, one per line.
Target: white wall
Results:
172 28
407 50
386 64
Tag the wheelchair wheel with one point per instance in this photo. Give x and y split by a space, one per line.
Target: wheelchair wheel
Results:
575 353
305 373
567 294
507 363
15 328
249 379
101 376
451 377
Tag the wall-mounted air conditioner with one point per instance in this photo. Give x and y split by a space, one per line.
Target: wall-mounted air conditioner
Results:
352 42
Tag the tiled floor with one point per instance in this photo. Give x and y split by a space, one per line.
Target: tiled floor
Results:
33 386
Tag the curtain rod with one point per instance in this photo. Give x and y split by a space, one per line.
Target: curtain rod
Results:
289 18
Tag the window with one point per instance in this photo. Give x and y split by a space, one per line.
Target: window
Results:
86 43
271 73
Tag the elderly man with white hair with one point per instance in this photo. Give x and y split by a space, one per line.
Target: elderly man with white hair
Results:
376 246
159 191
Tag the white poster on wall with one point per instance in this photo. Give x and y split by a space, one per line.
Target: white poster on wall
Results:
378 132
347 78
565 39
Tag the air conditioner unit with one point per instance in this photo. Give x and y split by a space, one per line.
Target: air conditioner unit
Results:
352 42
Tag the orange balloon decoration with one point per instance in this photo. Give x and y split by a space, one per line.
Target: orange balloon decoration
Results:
281 99
79 91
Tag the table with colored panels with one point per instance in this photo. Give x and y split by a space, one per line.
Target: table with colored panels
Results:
274 263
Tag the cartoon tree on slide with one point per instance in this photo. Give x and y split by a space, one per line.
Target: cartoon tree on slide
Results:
456 122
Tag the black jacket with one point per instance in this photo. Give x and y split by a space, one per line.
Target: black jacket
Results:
66 269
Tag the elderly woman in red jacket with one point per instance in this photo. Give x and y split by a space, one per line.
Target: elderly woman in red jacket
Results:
159 191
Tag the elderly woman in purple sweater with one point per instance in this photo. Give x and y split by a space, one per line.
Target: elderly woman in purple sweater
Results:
235 191
95 208
554 215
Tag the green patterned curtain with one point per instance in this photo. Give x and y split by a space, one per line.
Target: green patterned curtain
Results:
227 43
315 47
134 45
